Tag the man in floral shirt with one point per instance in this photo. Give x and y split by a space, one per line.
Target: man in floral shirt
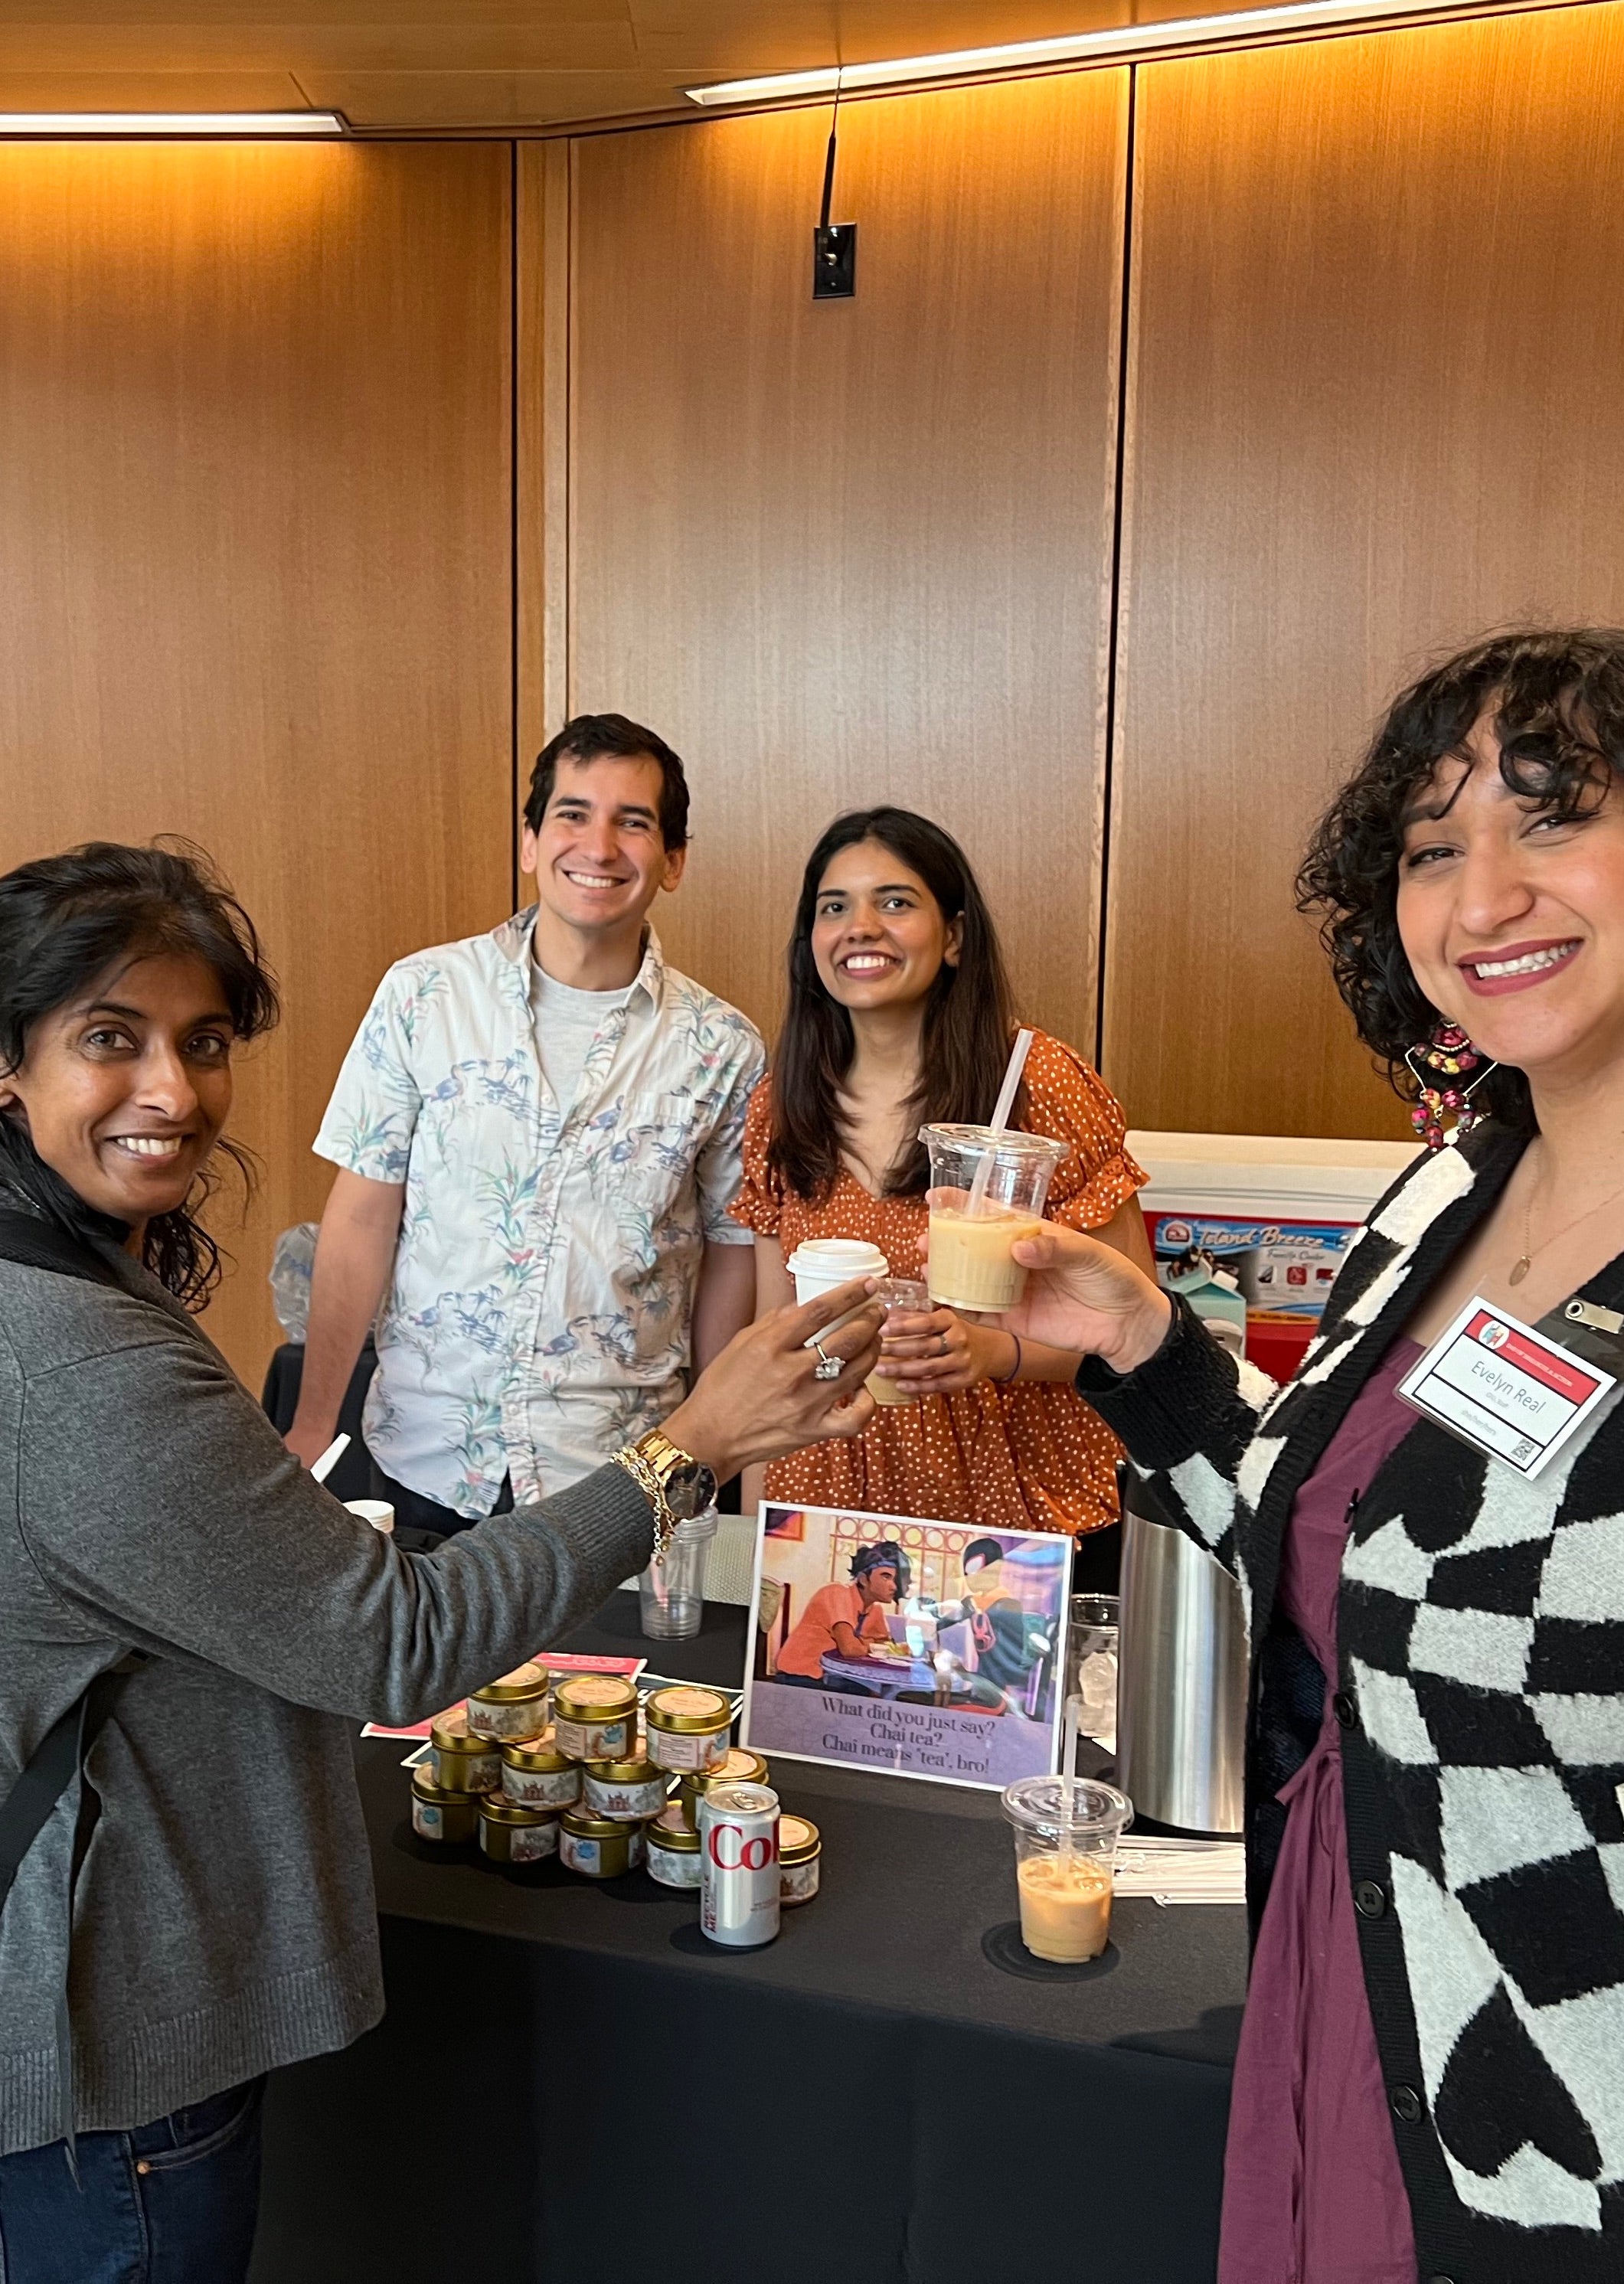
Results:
537 1136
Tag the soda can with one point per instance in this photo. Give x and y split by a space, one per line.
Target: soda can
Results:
739 1865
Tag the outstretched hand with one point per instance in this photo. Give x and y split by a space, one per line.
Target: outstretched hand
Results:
1082 1295
761 1398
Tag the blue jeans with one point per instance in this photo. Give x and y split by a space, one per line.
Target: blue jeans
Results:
170 2204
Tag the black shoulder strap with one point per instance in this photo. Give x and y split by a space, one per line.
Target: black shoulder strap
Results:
37 1244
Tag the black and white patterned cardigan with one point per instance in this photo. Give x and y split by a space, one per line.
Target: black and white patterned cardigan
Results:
1481 1691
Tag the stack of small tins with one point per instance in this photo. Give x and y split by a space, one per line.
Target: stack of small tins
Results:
575 1765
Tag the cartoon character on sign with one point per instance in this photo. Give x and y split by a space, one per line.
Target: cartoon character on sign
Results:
1495 1335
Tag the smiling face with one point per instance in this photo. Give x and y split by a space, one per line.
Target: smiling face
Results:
879 938
1512 917
126 1089
600 859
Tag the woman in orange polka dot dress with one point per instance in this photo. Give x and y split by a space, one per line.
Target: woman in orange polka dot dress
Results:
900 1013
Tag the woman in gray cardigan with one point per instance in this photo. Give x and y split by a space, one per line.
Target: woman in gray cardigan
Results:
167 1569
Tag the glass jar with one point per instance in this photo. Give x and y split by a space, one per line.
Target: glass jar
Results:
627 1792
449 1818
539 1775
801 1850
687 1727
459 1760
597 1846
595 1715
673 1849
513 1707
512 1834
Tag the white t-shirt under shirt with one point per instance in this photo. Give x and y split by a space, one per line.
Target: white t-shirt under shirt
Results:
566 1023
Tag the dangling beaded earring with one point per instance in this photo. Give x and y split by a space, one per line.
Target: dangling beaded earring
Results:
1446 1056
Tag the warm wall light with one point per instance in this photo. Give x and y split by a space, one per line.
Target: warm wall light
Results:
1081 47
75 124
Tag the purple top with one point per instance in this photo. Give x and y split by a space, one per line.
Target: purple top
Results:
1312 2189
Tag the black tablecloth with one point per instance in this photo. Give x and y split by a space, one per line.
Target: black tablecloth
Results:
571 2084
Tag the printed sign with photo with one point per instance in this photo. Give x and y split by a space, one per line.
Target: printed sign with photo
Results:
912 1647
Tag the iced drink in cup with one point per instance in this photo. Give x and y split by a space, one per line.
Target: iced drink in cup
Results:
1065 1895
974 1224
903 1296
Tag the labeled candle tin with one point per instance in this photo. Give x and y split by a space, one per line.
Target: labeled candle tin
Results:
800 1853
513 1707
687 1727
628 1792
539 1774
739 1767
597 1846
673 1849
511 1833
595 1715
459 1760
445 1817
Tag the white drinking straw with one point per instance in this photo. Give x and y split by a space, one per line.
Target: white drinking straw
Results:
1000 1119
1068 1775
330 1458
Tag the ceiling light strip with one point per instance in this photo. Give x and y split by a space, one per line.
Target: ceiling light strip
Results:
63 125
1121 40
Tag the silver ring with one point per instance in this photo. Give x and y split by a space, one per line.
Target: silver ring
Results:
827 1367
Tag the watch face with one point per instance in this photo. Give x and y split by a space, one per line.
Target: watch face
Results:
690 1490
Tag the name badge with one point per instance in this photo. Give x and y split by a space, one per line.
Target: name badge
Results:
1504 1389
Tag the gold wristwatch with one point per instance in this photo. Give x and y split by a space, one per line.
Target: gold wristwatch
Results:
677 1485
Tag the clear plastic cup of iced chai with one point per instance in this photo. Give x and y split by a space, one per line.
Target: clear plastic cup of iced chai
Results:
975 1223
1065 1895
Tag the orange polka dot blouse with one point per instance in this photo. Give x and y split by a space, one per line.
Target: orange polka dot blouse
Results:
1031 1455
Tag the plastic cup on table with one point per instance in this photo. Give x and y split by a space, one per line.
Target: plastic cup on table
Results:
988 1187
671 1594
1066 1893
1092 1663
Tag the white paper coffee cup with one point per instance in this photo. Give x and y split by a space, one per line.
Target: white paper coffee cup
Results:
824 1263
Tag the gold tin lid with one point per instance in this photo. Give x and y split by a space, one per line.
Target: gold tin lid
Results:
540 1755
591 1697
798 1840
740 1767
667 1830
451 1734
497 1807
689 1710
625 1772
422 1784
583 1825
525 1683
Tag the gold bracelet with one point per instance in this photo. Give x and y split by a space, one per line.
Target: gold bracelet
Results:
649 1483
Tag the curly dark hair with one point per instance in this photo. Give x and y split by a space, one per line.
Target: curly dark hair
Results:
65 921
1556 698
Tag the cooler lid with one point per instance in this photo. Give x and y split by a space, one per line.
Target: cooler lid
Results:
1279 1169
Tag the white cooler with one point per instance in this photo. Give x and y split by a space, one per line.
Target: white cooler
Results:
1262 1216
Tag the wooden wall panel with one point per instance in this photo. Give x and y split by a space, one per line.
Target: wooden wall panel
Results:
255 552
846 552
1378 336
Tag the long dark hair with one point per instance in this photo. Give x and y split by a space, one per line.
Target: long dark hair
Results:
1555 698
969 1015
64 921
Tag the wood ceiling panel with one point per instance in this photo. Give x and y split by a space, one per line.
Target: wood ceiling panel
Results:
482 100
482 63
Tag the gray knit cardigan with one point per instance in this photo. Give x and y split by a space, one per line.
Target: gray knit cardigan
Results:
1481 1699
224 1921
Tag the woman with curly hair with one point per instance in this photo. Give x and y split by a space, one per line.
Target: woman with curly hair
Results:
1431 2073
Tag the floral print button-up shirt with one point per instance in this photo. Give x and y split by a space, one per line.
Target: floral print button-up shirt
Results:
539 1313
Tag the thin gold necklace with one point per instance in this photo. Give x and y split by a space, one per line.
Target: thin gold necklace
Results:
1524 1261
